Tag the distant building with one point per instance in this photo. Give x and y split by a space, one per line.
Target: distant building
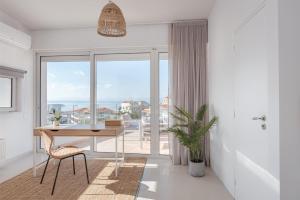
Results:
125 107
165 101
164 111
106 113
146 116
82 111
133 106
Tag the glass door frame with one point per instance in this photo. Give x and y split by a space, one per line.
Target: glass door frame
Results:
154 86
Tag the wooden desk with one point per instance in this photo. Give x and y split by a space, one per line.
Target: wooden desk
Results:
81 131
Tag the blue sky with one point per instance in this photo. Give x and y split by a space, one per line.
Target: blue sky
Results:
117 80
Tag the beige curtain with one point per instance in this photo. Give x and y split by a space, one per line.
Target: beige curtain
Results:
187 58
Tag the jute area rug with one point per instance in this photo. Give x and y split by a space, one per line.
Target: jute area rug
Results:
103 183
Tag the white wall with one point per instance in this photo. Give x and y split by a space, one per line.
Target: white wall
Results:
16 127
289 78
6 19
224 19
83 39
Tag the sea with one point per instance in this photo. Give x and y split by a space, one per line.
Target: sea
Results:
74 105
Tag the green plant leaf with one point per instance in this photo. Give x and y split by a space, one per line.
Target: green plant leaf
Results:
179 118
201 112
184 113
202 131
197 129
182 136
181 125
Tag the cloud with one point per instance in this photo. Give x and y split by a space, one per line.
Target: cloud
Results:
79 73
67 91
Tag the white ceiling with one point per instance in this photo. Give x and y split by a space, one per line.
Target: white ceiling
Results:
57 14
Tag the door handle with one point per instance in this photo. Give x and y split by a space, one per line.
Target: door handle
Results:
262 118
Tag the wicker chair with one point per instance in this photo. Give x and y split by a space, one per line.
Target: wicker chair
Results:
61 154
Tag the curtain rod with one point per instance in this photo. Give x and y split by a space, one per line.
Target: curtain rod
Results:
168 22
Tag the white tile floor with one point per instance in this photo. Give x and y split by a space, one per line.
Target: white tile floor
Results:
161 181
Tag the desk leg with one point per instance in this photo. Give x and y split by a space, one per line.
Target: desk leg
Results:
34 156
141 134
123 148
94 144
116 157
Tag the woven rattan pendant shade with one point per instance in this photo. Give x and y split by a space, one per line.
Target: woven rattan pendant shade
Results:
111 21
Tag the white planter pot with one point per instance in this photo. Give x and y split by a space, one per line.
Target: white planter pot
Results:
55 123
196 169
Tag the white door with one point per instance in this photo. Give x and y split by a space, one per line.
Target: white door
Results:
254 179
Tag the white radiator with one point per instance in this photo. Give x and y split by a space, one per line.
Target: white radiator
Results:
2 149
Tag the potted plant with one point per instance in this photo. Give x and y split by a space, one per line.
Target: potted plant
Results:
56 117
191 132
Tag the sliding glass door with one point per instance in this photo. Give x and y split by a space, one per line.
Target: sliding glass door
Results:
123 92
93 88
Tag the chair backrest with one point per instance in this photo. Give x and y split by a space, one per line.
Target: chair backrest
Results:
47 140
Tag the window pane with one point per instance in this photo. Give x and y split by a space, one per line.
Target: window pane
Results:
68 91
164 103
5 92
123 92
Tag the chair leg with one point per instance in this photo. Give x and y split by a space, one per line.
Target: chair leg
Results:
45 170
73 165
55 177
86 169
